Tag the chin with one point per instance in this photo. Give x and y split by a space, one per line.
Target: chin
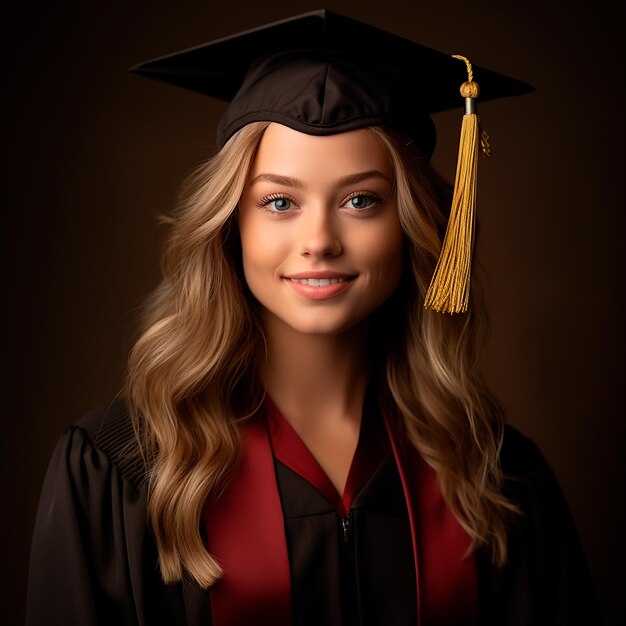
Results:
320 325
322 330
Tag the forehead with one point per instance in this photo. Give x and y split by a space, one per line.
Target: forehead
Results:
290 152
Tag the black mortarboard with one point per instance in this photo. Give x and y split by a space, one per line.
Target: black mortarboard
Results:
323 73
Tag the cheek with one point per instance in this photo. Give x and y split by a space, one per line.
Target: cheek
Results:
384 251
262 251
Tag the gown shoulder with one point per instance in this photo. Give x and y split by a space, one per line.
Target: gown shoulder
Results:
546 579
109 429
93 560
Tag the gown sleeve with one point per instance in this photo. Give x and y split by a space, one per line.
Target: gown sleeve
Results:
92 561
546 579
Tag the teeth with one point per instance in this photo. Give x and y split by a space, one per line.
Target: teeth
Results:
318 282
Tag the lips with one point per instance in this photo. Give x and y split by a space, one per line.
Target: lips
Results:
319 274
318 282
319 285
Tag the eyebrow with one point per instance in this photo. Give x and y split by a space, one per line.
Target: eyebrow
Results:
296 183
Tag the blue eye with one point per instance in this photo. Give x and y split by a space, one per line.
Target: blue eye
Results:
363 201
281 204
360 202
278 205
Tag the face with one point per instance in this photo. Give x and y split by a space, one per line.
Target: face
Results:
320 235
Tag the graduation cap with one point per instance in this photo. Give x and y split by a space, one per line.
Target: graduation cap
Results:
322 73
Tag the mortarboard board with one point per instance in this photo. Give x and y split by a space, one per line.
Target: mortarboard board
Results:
322 73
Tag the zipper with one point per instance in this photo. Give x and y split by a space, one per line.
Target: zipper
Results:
350 609
346 527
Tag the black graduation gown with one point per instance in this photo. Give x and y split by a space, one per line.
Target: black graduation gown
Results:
94 561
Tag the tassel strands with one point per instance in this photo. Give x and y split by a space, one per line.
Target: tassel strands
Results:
450 286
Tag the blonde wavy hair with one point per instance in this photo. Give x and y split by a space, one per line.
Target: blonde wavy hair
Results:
192 375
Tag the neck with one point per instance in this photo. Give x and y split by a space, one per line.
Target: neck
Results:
309 376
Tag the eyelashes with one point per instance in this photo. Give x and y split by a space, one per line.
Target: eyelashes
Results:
366 199
284 200
360 202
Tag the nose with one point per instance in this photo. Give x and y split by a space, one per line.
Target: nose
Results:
319 236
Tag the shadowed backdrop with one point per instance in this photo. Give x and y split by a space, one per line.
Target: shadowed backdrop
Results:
91 154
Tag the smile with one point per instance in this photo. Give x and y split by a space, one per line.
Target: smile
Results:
318 282
322 288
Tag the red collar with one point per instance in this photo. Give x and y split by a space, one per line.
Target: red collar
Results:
290 450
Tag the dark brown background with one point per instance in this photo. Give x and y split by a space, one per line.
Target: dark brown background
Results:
91 154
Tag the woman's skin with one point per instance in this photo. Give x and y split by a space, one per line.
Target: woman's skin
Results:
320 208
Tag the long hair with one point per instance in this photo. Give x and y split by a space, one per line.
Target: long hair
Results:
432 370
192 375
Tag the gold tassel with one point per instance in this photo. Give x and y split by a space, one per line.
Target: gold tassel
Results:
450 285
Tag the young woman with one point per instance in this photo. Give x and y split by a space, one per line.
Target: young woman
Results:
301 440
